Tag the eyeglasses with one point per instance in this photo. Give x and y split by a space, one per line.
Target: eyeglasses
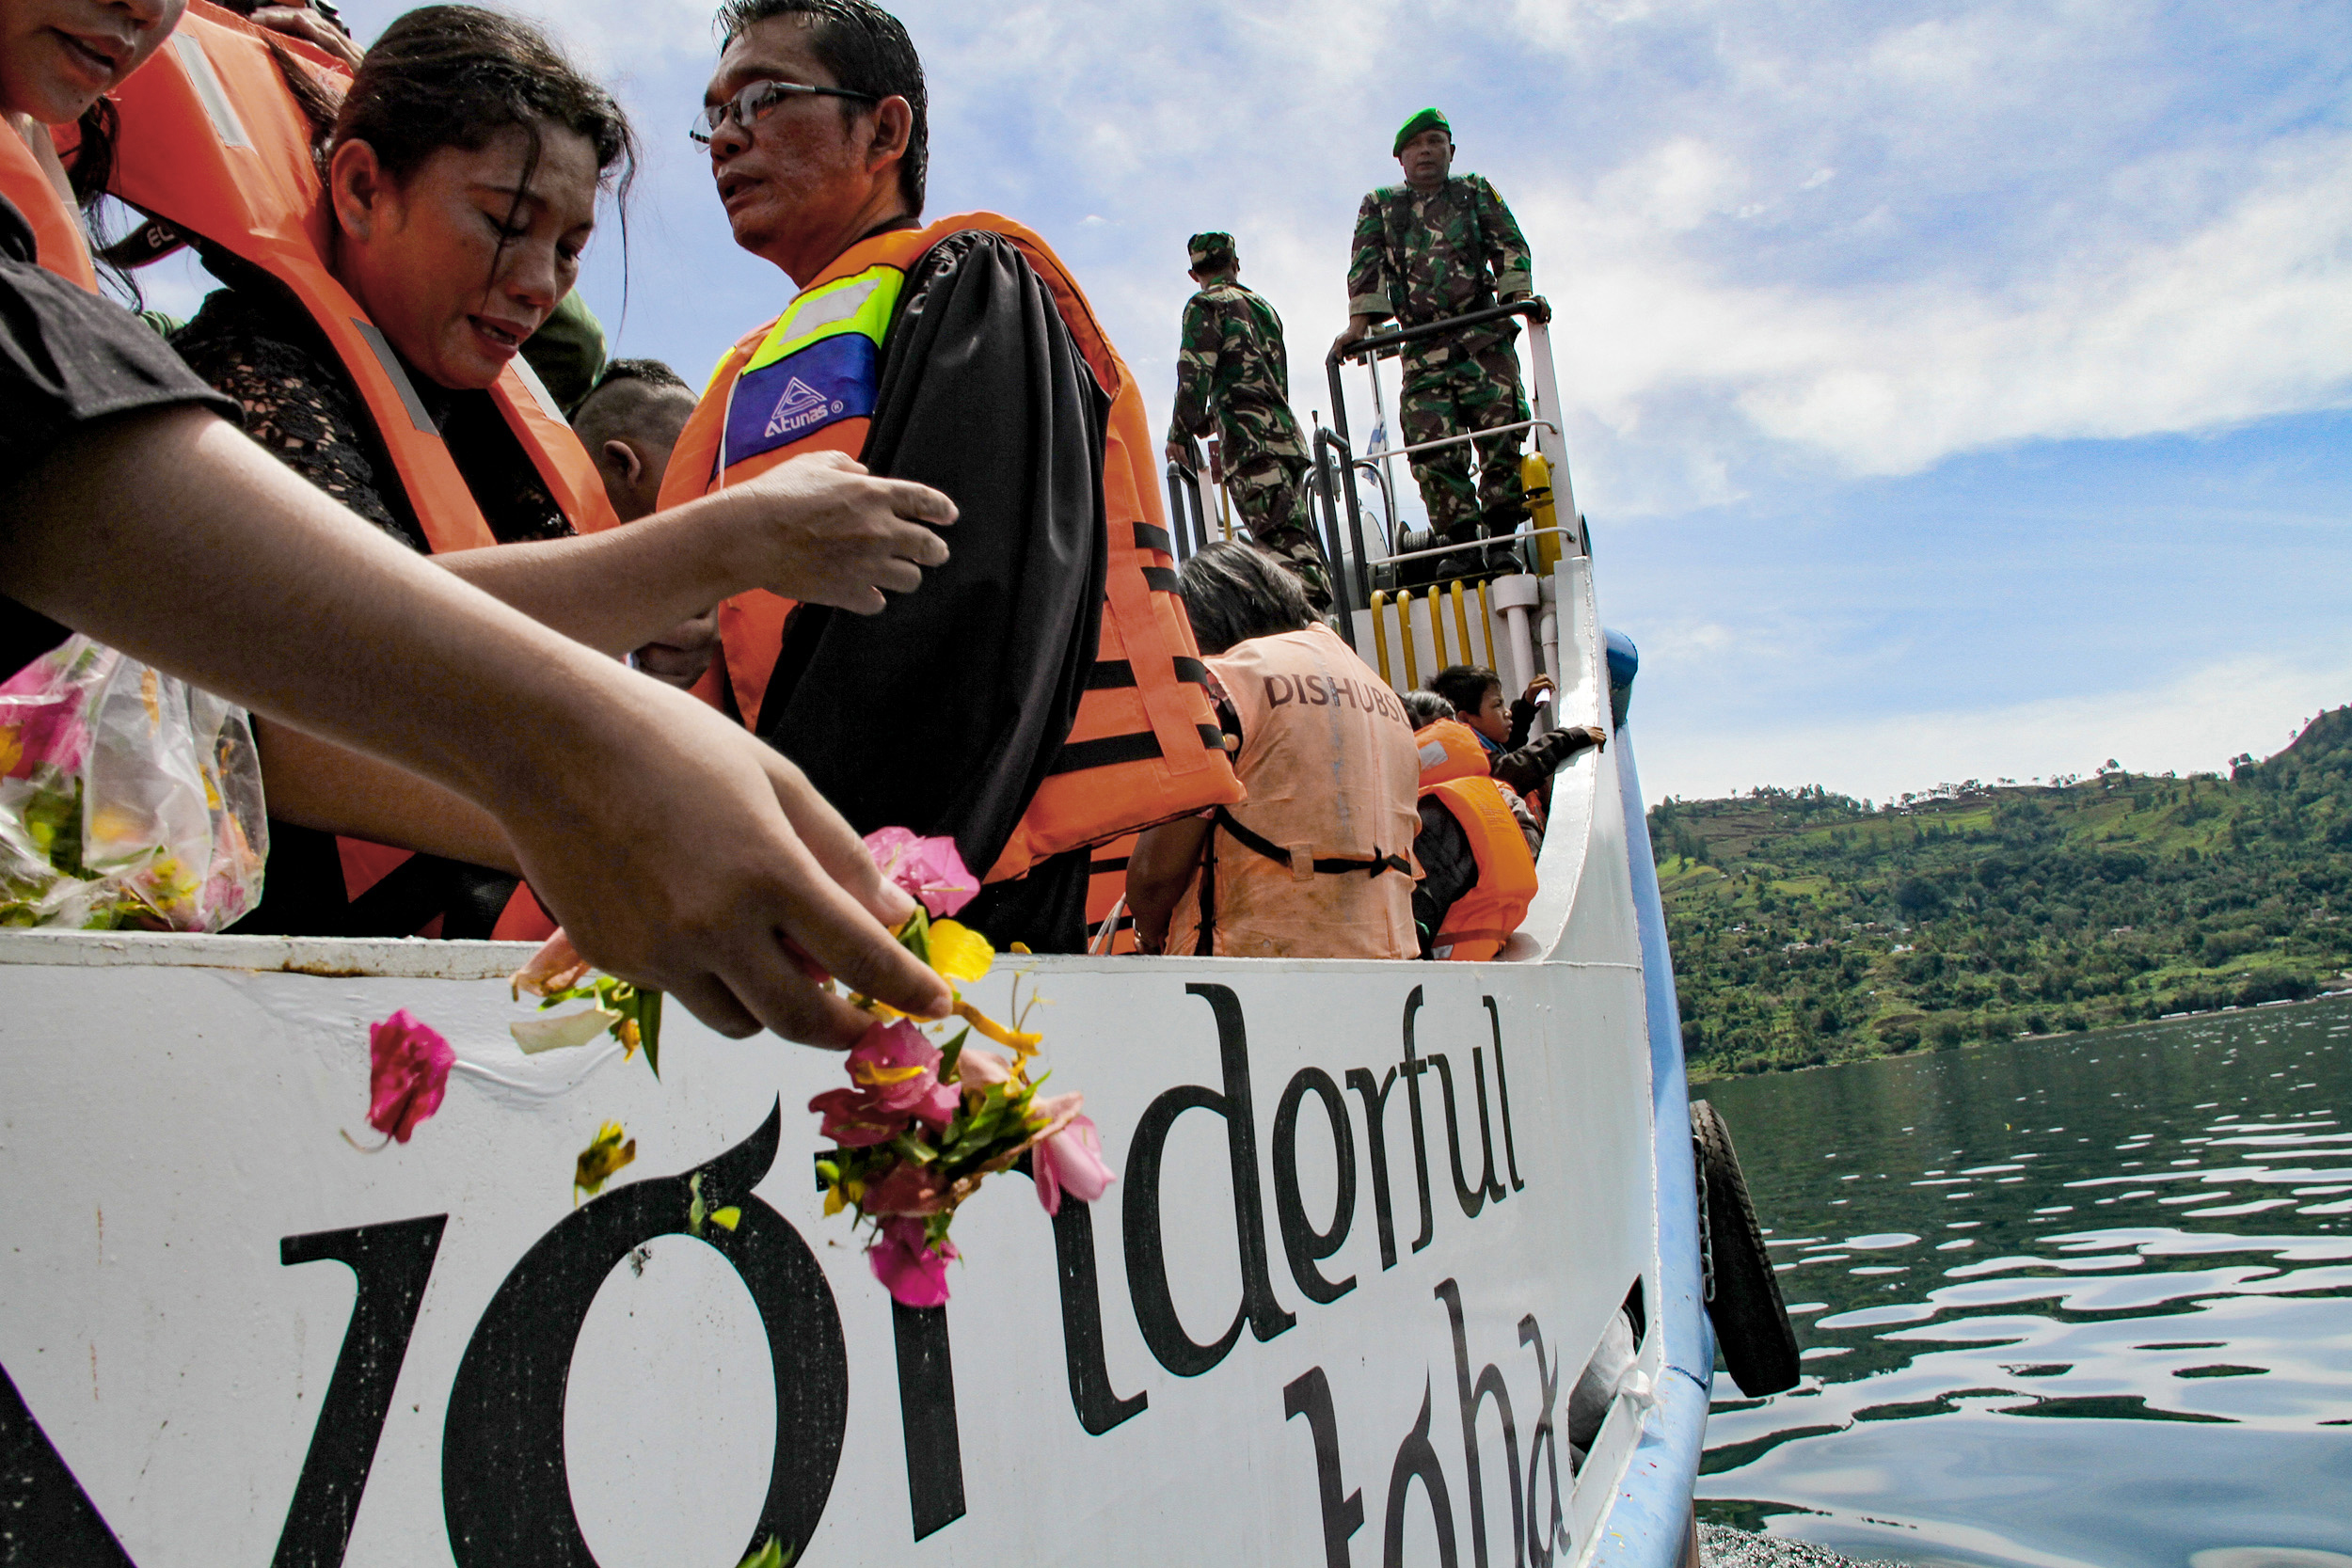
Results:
757 102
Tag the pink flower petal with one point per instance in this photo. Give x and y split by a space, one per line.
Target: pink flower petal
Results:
1070 1160
896 1068
929 868
409 1064
557 966
901 1258
854 1121
939 1104
977 1069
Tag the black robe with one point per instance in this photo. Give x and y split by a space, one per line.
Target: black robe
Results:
944 713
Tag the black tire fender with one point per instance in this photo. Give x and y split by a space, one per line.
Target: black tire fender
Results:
1744 1296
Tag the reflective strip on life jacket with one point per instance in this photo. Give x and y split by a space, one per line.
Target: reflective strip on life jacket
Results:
58 243
1144 747
1484 917
1448 749
818 365
213 142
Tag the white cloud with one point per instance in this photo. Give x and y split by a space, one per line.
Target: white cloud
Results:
2247 316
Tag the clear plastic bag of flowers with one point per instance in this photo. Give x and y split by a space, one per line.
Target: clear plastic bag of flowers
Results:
128 798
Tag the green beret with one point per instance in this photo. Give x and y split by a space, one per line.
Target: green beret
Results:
1214 249
1428 119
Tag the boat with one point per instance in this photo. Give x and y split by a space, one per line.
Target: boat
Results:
1403 1263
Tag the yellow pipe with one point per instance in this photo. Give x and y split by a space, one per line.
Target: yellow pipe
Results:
1405 624
1461 622
1381 635
1487 625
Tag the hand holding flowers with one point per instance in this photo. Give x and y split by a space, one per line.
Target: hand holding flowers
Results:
922 1125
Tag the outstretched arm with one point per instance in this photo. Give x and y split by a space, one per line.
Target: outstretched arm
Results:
676 849
817 529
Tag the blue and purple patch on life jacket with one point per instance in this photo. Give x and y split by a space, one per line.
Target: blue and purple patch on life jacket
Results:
832 379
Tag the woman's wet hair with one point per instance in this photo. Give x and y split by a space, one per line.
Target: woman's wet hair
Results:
1427 707
1465 685
866 49
459 76
1234 592
93 160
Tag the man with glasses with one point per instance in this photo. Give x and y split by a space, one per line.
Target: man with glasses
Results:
1039 692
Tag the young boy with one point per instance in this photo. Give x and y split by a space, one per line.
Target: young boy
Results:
1477 697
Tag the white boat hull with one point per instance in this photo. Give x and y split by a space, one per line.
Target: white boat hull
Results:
1296 1331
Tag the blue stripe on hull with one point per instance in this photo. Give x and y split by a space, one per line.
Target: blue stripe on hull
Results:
1650 1521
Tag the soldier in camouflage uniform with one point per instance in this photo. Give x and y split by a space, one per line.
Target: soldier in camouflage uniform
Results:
1234 372
1441 245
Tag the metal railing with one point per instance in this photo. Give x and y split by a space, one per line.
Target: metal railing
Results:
1187 517
1336 461
1508 542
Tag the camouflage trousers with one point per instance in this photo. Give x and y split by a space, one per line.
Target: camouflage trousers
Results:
1270 493
1460 393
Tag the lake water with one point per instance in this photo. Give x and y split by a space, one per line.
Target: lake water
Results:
2073 1302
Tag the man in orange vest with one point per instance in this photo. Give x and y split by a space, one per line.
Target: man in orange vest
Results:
1042 691
1316 864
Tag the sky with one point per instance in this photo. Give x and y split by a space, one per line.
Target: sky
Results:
1954 390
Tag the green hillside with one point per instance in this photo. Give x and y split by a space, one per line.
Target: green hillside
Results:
1813 928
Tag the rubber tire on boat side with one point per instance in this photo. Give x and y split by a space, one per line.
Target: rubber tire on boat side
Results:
1751 1318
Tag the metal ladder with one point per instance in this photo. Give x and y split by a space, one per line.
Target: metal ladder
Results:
1506 600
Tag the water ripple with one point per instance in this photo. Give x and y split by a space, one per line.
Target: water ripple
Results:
2162 1387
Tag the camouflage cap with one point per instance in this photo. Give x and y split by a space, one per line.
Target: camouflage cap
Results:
1428 119
1212 250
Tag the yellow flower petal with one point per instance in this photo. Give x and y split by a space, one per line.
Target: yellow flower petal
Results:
726 1218
605 1154
1025 1044
867 1074
959 952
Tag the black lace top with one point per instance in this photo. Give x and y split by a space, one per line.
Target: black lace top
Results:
255 342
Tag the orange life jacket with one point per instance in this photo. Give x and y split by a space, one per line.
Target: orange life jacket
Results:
57 240
1106 885
1454 769
214 142
1450 749
1145 746
1318 863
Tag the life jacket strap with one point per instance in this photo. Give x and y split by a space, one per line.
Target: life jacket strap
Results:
1329 866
